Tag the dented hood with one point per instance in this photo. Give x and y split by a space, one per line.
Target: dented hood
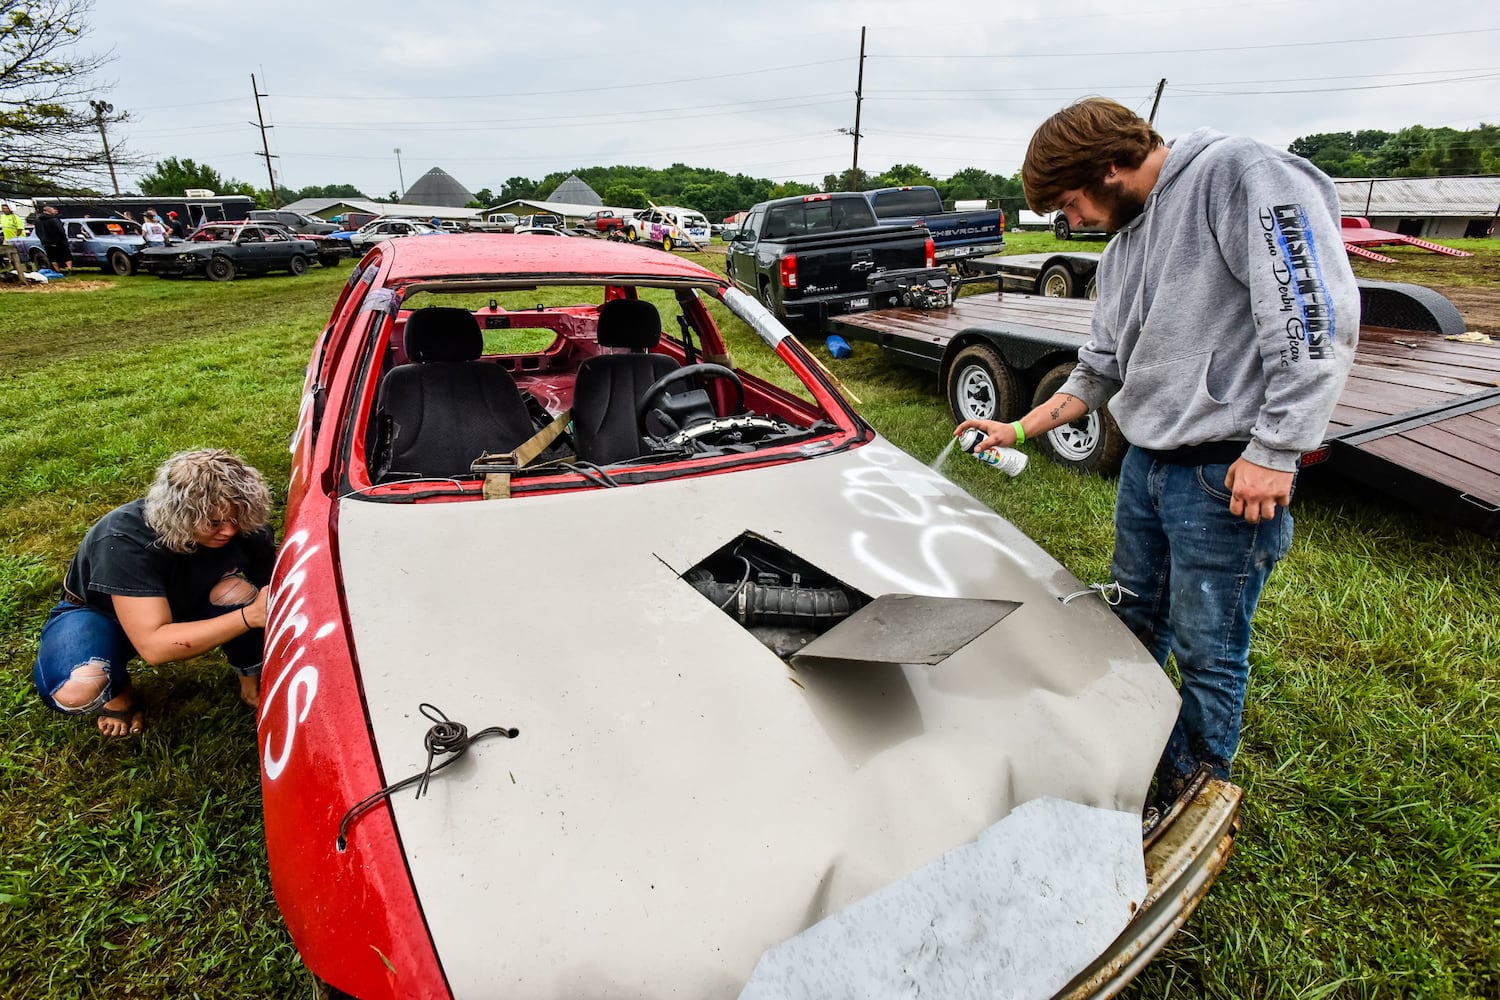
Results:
684 813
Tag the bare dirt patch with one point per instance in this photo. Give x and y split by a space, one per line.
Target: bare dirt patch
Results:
54 287
1480 306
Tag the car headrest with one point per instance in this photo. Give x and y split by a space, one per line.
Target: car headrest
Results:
631 323
441 333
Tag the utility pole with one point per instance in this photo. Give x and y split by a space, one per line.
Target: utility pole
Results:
859 89
1157 101
260 123
102 108
400 176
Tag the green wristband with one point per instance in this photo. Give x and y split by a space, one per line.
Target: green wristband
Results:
1015 425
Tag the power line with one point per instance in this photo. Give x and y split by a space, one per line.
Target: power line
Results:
996 56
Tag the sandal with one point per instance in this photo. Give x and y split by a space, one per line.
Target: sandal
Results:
130 715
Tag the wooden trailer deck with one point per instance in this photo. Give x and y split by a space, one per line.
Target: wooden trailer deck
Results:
1419 418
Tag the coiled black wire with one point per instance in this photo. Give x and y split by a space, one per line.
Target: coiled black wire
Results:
443 737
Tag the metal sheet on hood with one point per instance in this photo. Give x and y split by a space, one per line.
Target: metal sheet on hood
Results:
905 628
675 804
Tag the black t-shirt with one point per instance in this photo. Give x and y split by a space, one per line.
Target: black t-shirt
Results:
122 555
49 230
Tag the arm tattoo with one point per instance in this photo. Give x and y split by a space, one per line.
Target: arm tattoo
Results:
1056 413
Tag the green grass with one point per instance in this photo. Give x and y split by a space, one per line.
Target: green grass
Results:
1367 867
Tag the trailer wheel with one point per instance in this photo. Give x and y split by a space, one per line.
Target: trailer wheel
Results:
1061 229
1092 443
1057 282
1091 290
981 386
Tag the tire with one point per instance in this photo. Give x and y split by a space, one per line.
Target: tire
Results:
297 265
631 235
981 386
119 262
1091 290
1061 229
39 258
766 298
220 269
1057 282
328 260
1092 443
666 243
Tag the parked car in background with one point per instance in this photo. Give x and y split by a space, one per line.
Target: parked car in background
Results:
669 227
109 244
1055 221
540 220
385 229
295 221
777 710
224 250
498 222
540 231
603 222
329 249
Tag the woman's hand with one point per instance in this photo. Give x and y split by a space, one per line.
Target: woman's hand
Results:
255 611
997 435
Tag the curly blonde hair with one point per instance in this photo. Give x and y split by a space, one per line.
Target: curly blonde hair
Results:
195 488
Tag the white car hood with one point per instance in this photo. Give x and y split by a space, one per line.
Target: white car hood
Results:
683 813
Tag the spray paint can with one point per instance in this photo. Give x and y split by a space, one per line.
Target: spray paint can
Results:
1007 460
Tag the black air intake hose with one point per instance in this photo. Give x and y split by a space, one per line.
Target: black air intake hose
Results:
772 604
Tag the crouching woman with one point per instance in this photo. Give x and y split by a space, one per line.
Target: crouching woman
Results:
164 578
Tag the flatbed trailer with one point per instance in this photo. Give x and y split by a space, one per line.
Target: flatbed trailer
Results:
1055 275
1419 418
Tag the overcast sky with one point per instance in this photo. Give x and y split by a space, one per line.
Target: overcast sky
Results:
489 91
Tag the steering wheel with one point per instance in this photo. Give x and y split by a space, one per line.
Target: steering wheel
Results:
655 393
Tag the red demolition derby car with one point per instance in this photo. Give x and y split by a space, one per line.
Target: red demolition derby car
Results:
613 654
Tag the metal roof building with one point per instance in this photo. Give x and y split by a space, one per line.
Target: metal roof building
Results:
1428 207
437 187
574 191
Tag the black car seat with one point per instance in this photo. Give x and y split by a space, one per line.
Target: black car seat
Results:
609 387
445 408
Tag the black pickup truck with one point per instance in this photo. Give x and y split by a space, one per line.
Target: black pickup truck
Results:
820 255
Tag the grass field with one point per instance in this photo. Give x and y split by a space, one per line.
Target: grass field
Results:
1369 863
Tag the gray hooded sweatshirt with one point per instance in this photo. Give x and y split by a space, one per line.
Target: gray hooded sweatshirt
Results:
1227 310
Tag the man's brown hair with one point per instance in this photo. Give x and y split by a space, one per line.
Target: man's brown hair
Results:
1076 147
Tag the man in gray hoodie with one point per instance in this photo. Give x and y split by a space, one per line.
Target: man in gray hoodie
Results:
1224 331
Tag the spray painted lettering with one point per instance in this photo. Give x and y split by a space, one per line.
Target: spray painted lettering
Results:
297 683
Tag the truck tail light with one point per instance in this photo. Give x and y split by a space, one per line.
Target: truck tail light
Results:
817 197
1002 220
788 269
931 253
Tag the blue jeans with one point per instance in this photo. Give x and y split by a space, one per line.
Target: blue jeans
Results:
75 635
1197 572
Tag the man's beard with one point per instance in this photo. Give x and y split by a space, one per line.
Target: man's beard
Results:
1119 205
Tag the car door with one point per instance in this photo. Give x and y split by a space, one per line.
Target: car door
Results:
741 257
277 249
251 249
81 244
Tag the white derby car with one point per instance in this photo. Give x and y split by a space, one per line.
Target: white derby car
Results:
756 704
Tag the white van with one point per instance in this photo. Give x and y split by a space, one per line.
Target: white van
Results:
669 226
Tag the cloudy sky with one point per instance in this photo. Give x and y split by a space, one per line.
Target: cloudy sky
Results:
490 91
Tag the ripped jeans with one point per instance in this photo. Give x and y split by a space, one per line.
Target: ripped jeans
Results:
1197 572
76 635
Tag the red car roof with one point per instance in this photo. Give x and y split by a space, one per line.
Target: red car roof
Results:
508 254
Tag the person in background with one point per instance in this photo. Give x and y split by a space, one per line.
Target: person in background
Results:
51 233
152 229
11 225
1223 334
179 230
165 578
